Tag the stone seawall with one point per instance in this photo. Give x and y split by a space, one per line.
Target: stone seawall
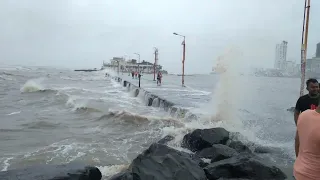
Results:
154 100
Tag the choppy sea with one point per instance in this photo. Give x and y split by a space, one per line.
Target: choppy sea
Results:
53 116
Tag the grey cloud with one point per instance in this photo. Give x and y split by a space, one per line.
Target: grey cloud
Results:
83 33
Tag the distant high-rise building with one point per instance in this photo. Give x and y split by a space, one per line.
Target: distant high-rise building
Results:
281 56
318 51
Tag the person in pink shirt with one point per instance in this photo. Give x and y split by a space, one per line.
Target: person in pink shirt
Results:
307 146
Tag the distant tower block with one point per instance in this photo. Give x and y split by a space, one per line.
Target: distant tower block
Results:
318 51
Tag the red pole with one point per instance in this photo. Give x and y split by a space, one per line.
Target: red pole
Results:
304 44
183 58
154 65
307 29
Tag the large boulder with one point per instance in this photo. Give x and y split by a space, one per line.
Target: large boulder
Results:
72 171
239 146
233 179
166 139
157 149
267 150
160 162
217 152
125 175
204 138
244 165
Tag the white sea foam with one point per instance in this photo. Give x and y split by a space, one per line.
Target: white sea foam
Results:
32 85
108 171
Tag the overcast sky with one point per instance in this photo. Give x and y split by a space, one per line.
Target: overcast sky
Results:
83 33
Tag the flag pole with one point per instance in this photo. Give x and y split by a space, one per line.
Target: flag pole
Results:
304 44
155 63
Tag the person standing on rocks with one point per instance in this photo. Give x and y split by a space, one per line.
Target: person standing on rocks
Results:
308 101
307 145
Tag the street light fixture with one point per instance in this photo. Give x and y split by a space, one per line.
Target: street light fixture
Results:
118 68
183 55
138 62
138 56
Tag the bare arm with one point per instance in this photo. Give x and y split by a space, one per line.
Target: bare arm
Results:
297 110
297 143
296 116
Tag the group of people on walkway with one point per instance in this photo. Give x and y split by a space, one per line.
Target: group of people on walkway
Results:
136 74
307 138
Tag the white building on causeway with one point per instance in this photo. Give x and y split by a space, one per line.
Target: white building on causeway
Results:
281 56
121 65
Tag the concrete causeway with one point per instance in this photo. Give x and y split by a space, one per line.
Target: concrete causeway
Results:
151 98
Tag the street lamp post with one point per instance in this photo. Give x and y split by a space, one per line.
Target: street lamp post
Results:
155 63
139 75
183 55
138 61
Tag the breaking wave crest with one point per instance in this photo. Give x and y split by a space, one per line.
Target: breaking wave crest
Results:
35 85
80 105
125 115
138 118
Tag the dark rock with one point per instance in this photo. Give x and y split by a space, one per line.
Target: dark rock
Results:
266 149
217 152
239 146
160 162
161 150
126 175
70 171
233 179
203 164
243 165
203 138
166 139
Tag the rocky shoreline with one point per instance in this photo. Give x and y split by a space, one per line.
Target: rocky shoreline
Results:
71 171
215 156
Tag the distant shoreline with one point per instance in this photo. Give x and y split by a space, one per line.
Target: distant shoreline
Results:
86 70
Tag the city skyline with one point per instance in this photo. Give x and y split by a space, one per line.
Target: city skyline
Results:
281 55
